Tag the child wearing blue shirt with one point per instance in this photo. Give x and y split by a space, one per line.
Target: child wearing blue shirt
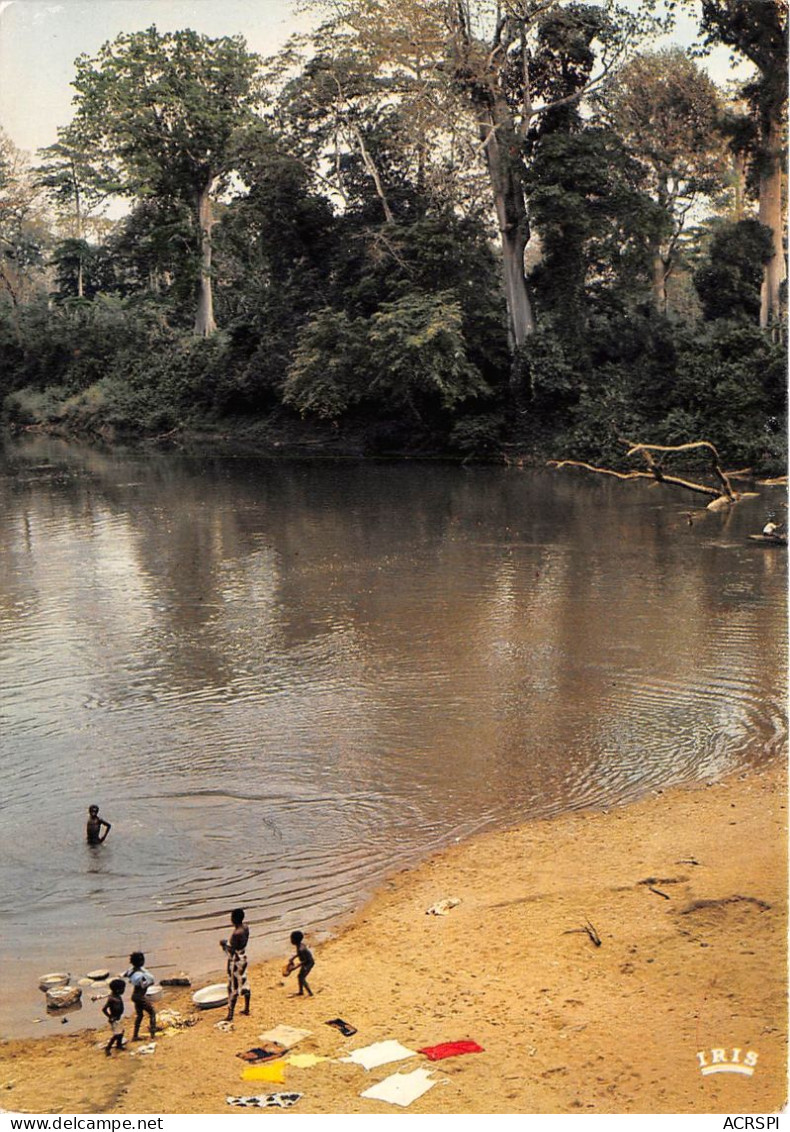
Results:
141 980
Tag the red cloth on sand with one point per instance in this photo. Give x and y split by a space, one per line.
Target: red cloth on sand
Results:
450 1049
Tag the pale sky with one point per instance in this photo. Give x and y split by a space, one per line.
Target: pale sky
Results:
40 39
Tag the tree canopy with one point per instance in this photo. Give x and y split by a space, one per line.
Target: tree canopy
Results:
168 108
422 227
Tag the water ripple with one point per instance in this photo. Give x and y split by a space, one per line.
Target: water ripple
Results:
282 683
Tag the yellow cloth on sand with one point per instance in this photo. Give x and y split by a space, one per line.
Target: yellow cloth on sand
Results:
270 1071
304 1060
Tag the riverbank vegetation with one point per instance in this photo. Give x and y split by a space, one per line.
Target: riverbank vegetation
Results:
459 229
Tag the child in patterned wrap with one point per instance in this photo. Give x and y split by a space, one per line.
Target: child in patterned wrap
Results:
235 949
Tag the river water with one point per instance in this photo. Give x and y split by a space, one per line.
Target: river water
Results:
282 681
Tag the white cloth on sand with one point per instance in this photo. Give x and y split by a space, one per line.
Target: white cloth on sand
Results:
443 907
150 1048
285 1036
379 1054
401 1088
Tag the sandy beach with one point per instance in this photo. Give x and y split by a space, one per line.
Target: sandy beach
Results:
687 892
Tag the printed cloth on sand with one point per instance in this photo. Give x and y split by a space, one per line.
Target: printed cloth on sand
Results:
266 1100
237 974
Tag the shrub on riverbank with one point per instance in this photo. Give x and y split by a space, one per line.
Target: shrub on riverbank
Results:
726 385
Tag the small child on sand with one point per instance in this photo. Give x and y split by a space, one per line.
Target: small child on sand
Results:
303 959
141 980
113 1012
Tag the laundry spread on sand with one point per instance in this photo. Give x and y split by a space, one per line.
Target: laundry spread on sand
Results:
258 1054
304 1060
266 1100
169 1022
345 1028
401 1088
450 1049
144 1049
370 1057
443 906
285 1036
270 1071
169 1018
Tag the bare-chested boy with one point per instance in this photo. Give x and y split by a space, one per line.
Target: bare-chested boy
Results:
93 830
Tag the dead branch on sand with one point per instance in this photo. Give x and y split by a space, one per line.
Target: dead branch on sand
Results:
588 930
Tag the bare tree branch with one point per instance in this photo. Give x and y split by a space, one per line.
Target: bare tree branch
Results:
721 496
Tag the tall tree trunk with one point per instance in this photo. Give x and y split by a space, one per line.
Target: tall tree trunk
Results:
770 214
660 269
12 293
370 166
739 185
80 230
205 325
659 281
502 150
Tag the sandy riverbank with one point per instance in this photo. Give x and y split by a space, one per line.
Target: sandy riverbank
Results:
566 1026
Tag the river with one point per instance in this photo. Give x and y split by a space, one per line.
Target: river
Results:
282 681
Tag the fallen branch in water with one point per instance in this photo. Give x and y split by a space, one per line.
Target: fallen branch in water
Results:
654 454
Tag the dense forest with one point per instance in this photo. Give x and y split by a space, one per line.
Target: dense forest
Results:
459 228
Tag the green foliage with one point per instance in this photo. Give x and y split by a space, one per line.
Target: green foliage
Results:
76 264
168 108
78 178
729 282
726 385
33 406
758 30
185 382
24 234
735 379
418 354
327 375
478 435
668 111
352 261
546 366
167 105
595 223
410 354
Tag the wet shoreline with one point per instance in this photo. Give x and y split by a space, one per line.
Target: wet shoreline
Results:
687 891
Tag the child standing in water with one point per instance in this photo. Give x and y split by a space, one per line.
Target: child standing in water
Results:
93 830
113 1012
303 959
